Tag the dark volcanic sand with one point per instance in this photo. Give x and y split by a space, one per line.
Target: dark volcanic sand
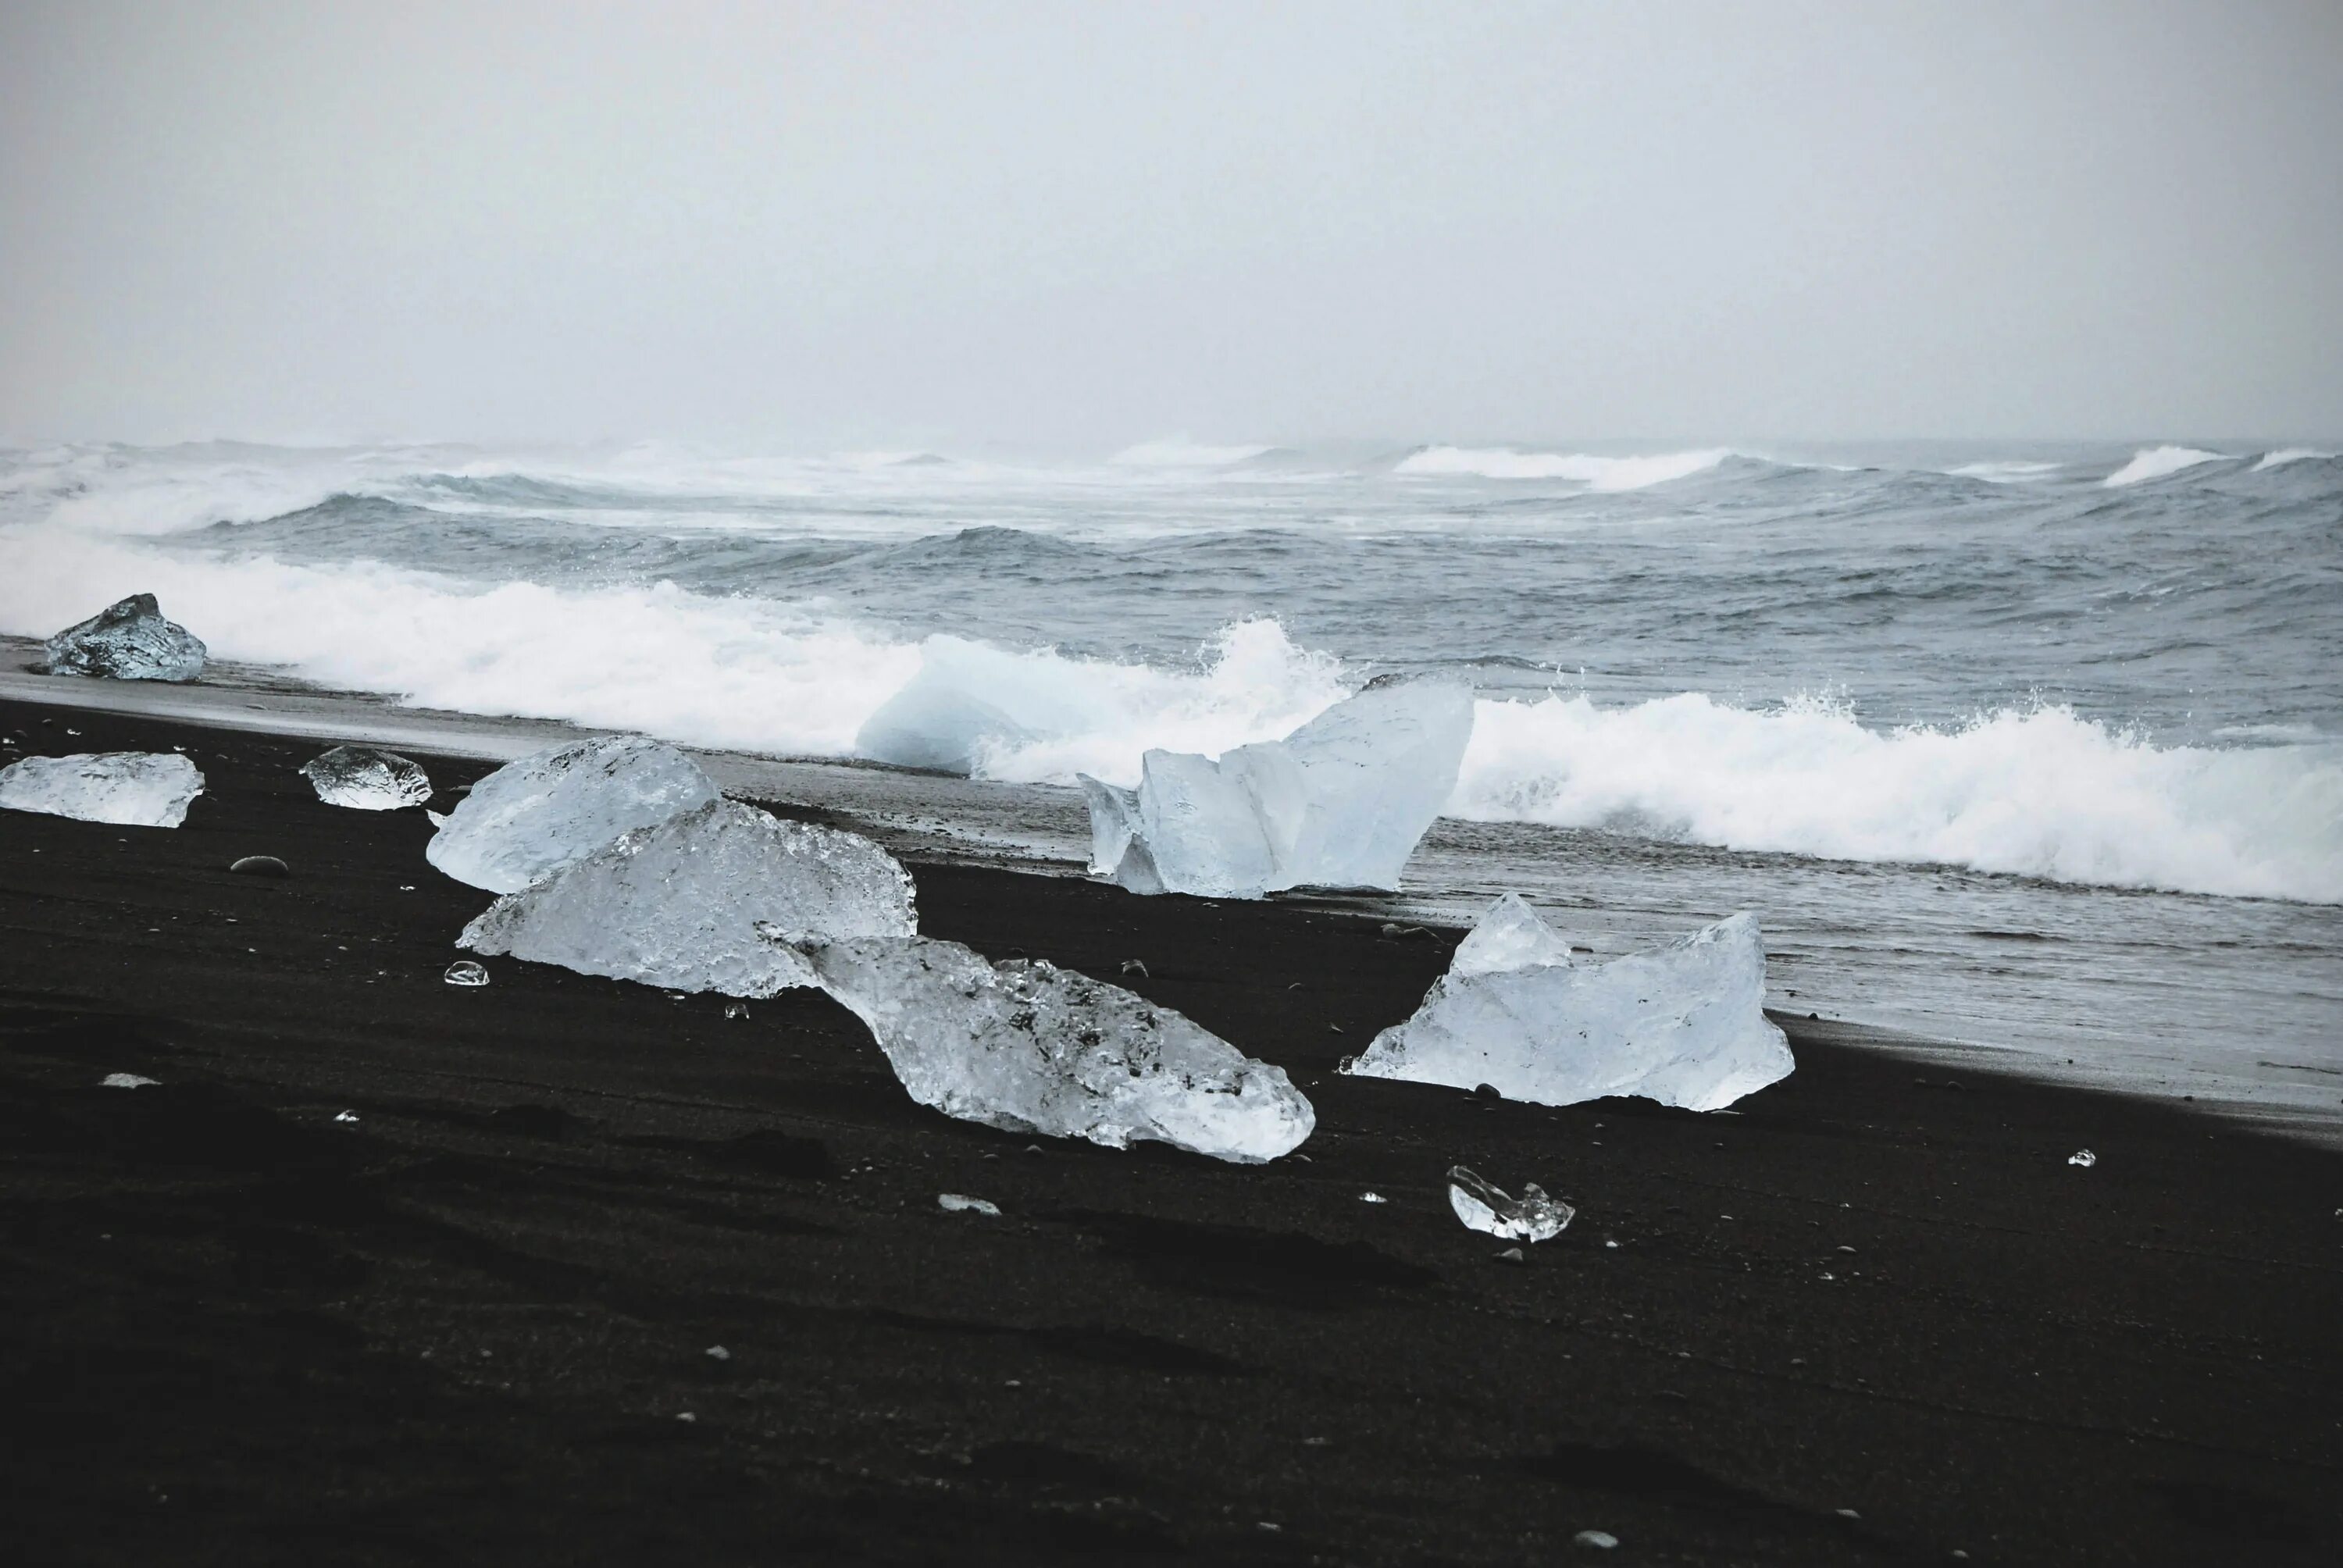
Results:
465 1326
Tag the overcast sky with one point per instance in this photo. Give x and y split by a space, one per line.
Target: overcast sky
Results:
1088 223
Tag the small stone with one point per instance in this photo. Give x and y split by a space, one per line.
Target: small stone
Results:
1602 1540
466 973
260 866
127 1080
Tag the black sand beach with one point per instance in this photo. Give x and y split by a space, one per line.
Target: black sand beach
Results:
1874 1314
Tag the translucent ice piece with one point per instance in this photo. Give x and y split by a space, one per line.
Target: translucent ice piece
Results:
1532 1217
962 1203
2083 1158
531 817
464 971
127 640
127 1080
1511 936
365 779
128 789
1033 1048
1340 802
1683 1025
708 900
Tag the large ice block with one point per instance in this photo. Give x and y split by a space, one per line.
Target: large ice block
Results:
1683 1025
1033 1048
130 788
711 899
365 779
533 816
127 640
1339 803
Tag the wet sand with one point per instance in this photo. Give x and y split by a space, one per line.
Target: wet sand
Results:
1874 1314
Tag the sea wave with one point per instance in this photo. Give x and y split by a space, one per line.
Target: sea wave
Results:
1596 473
2157 462
2285 454
1178 452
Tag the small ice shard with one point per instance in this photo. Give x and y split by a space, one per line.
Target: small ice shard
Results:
2083 1158
718 1353
1532 1217
127 1080
346 1116
365 779
1372 1198
1601 1540
127 640
259 866
962 1203
712 900
1339 803
1026 1045
735 1010
464 971
533 816
127 788
1683 1025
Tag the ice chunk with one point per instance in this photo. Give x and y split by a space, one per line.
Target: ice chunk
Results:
962 1203
1602 1540
2083 1158
465 973
1683 1025
127 640
711 899
127 1080
1532 1217
531 817
1033 1048
1341 803
365 779
128 789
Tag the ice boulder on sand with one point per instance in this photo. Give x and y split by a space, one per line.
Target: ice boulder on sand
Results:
531 817
1031 1048
708 900
1683 1025
128 789
1339 803
127 640
365 779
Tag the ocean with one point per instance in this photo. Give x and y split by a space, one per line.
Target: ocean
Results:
2031 751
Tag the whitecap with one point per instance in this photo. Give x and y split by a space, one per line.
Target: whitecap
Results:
1596 473
2156 462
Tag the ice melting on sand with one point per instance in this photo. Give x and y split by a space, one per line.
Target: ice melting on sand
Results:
1031 1048
127 640
1683 1025
711 899
128 789
1339 803
1532 1217
365 779
533 816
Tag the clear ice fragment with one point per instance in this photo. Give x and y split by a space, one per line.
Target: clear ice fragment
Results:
2083 1158
127 640
366 780
1339 803
464 971
1601 1540
127 1080
718 1353
533 816
1683 1025
1372 1198
962 1203
1026 1045
712 900
1532 1217
127 789
346 1116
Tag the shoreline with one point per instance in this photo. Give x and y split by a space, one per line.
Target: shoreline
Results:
468 1321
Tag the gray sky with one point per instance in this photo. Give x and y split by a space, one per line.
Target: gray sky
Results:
1087 223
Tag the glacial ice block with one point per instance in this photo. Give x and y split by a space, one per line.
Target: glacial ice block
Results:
1683 1025
708 900
365 779
1031 1048
535 815
128 789
1339 803
127 640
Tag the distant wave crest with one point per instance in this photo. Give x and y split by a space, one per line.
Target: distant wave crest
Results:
2156 462
1596 473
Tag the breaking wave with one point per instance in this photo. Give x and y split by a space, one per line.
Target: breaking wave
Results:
2285 454
2156 462
1600 474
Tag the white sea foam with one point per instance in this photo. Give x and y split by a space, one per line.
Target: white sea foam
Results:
2156 462
2285 454
1178 452
2015 471
1604 474
2038 793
